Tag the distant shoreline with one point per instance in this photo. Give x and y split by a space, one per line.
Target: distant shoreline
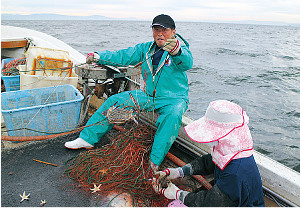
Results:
240 23
57 17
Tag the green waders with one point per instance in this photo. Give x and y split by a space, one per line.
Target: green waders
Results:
170 117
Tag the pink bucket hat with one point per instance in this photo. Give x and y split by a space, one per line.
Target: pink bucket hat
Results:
225 124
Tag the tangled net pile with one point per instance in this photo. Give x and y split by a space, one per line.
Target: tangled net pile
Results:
11 68
121 166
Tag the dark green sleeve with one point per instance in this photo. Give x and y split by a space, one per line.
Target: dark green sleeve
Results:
200 166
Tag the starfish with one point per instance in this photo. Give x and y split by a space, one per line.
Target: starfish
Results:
24 197
103 171
43 202
96 188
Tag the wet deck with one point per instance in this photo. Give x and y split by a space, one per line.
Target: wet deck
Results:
44 182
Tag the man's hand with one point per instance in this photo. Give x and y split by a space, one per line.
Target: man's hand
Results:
171 192
153 166
172 46
170 173
92 58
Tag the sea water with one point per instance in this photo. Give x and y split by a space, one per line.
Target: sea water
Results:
255 66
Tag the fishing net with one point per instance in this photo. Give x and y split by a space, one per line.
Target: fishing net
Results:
11 68
122 166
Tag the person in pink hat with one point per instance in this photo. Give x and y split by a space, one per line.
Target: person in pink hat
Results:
237 180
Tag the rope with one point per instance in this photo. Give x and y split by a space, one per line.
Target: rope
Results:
180 163
37 138
43 137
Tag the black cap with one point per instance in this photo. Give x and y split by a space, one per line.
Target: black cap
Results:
163 20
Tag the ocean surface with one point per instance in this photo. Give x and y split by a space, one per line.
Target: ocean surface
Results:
255 66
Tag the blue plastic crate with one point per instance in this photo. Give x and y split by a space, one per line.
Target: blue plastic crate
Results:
11 83
42 111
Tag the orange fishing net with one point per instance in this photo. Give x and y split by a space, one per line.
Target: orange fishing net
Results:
11 68
121 167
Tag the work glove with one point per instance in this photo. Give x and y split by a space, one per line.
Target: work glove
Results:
172 46
92 58
171 192
170 173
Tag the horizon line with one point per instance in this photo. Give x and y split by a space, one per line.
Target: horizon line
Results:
101 17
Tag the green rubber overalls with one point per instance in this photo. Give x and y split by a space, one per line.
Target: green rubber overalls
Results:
170 100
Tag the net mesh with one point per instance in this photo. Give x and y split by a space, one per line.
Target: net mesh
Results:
11 68
122 166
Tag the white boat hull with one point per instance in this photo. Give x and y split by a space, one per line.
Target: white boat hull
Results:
39 39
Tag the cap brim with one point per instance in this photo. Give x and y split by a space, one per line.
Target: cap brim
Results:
203 132
158 24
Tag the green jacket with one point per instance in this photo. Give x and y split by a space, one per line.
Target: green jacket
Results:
170 80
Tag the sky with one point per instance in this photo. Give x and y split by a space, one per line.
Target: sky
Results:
287 11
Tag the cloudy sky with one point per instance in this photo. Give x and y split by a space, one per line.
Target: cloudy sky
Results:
188 10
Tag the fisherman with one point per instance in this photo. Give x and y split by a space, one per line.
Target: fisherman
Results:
237 181
164 65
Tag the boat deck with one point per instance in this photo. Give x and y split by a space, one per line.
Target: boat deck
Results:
44 182
47 182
